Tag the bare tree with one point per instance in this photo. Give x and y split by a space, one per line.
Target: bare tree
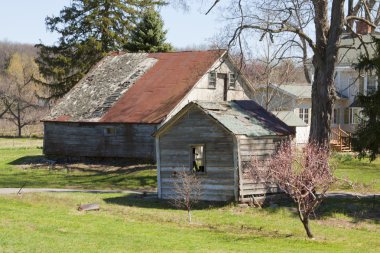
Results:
305 176
187 188
17 92
269 71
314 25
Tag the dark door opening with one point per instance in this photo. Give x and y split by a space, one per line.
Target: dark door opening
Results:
225 85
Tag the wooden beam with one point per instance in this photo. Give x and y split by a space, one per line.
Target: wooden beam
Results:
236 168
241 194
158 160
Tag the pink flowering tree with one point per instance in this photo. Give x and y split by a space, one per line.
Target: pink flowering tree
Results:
304 175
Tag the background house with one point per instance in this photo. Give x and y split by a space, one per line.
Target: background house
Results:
349 83
286 98
216 140
290 103
114 110
301 129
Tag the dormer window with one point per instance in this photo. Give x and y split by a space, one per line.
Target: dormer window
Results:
231 81
212 80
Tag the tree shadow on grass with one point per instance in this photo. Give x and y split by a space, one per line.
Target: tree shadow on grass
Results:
150 200
359 209
29 160
100 167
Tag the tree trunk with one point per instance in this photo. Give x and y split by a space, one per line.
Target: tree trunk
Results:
189 215
305 223
327 45
19 127
322 102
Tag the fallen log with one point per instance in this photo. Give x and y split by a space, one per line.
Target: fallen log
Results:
89 207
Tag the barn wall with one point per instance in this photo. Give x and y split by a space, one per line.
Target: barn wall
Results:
250 148
195 127
92 140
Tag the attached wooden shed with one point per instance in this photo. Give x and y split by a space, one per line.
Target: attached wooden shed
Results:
215 140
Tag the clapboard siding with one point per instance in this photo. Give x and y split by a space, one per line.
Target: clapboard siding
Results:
91 140
195 127
260 149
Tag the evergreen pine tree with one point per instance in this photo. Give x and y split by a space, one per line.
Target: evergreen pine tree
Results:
88 30
367 136
149 34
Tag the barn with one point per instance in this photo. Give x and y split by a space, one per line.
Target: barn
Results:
215 140
114 110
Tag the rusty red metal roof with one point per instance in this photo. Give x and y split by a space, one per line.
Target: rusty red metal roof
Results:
162 87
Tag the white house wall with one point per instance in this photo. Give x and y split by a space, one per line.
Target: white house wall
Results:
302 134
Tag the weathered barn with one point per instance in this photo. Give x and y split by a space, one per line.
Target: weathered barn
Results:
215 140
114 110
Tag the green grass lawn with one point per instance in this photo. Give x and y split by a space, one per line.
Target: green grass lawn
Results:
49 222
359 171
15 172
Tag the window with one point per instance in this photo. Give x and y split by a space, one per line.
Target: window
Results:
231 81
212 80
371 84
336 116
197 158
361 85
109 131
304 114
354 115
351 86
346 116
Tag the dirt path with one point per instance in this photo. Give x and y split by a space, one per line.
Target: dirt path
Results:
29 190
340 195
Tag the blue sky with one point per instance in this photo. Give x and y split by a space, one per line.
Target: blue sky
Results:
24 21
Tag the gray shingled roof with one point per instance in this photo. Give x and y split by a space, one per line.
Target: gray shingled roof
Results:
349 56
289 118
245 117
101 87
299 91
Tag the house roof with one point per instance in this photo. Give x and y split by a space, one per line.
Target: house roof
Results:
134 88
289 118
352 48
240 117
298 91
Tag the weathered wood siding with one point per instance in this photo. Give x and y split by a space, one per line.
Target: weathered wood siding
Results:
92 140
249 148
195 127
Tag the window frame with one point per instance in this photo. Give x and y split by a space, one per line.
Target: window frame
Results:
231 85
336 116
191 158
212 79
354 115
304 111
374 87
